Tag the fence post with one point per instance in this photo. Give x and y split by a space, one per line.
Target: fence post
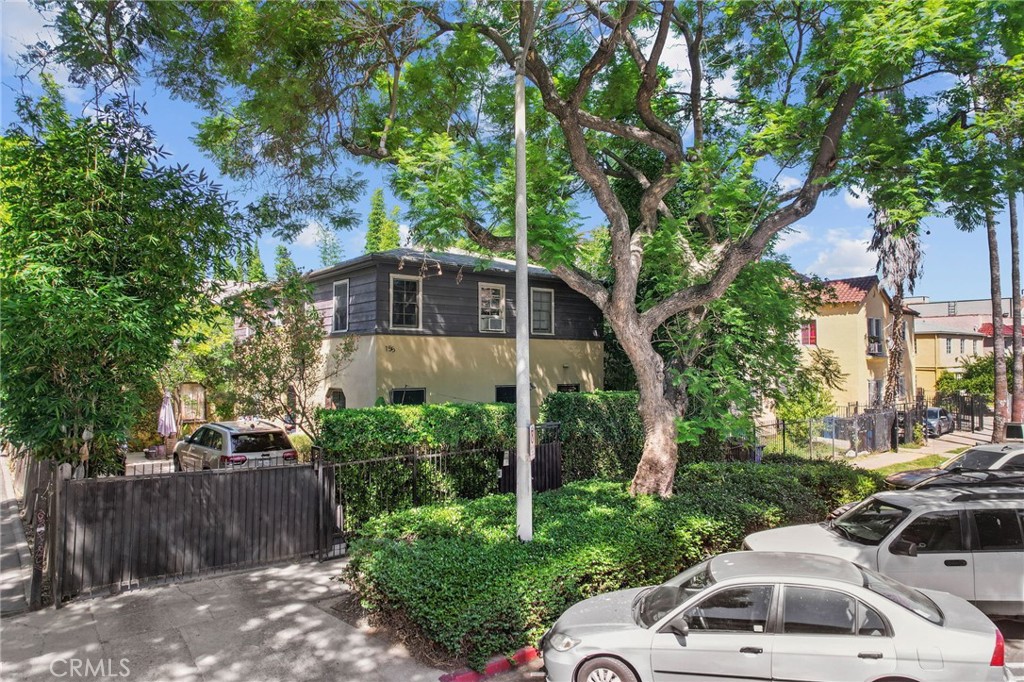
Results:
783 422
415 482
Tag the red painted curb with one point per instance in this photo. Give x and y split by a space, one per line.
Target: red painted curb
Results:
498 664
525 655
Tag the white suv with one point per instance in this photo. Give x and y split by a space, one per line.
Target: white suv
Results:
237 444
966 541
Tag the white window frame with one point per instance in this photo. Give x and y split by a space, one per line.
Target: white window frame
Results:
963 345
483 322
949 345
334 305
419 302
533 329
880 328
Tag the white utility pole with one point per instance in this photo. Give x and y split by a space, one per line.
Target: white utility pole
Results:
524 479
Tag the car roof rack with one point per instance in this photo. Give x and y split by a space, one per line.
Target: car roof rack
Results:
991 495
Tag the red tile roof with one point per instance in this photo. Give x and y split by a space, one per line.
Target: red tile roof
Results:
986 329
851 290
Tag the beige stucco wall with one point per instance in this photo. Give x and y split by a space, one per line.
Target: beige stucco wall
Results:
358 378
467 369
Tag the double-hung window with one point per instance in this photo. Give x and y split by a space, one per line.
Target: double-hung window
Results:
340 323
406 302
492 307
542 311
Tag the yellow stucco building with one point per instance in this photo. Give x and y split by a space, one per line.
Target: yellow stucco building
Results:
856 325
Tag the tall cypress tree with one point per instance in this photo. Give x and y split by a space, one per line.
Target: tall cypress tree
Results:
381 230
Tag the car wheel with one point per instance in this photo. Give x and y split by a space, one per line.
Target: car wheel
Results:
605 670
177 463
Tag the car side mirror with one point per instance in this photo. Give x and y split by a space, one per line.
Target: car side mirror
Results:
903 548
679 626
188 439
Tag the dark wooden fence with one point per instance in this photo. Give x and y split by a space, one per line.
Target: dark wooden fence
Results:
126 531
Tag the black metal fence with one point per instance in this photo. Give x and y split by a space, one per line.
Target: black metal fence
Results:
827 437
370 487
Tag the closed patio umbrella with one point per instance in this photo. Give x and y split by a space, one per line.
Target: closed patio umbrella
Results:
166 426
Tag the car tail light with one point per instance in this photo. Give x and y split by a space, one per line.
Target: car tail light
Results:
999 655
233 459
289 455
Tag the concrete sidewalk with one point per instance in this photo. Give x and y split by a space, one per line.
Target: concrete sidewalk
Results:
15 560
935 446
272 624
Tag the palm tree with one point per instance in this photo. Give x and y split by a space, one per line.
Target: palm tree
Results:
899 264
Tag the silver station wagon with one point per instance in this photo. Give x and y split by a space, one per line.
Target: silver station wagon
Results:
781 616
968 541
234 445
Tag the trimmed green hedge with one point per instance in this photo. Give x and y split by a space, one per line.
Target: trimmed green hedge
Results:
601 433
373 432
458 573
476 434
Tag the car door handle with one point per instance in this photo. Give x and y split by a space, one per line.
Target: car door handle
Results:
869 654
751 650
955 562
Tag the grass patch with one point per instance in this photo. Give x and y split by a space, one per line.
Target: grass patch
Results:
458 575
958 451
920 463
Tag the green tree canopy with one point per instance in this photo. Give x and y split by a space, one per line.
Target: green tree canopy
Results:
425 89
105 255
381 229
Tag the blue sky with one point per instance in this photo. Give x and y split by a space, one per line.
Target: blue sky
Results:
831 242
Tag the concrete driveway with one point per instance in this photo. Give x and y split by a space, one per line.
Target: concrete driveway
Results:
272 624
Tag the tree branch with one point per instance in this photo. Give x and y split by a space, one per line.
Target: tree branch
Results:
743 252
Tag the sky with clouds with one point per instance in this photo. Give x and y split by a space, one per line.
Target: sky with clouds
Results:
831 242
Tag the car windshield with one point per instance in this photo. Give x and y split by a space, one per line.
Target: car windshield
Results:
869 522
259 441
933 413
901 594
973 459
656 602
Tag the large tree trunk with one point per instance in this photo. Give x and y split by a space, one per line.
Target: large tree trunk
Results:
658 411
998 346
1017 411
896 349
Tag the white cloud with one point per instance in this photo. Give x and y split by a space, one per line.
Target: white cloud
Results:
726 85
23 25
791 238
404 235
788 182
310 236
844 253
855 197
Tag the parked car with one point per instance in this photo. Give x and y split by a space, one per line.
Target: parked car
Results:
938 421
774 616
235 444
966 540
996 456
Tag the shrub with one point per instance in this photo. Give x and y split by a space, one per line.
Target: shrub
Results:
303 445
458 573
601 433
392 436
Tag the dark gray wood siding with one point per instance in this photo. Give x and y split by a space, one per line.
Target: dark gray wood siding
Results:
450 303
362 295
